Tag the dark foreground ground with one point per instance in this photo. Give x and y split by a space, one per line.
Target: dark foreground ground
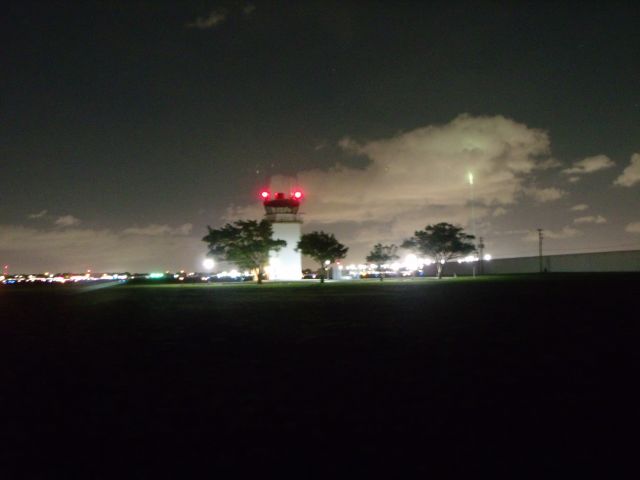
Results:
530 376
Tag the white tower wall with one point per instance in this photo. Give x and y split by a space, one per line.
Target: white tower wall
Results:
286 264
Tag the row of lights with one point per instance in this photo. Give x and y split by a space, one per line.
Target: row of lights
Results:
266 195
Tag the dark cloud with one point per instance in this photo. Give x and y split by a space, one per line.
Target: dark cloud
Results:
214 19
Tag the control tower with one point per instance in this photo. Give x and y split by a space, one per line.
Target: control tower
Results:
282 212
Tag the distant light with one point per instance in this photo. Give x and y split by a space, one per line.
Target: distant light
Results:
156 275
264 194
411 261
470 178
297 194
487 257
327 262
208 263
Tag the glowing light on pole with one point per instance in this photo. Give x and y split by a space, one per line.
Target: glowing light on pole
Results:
208 263
411 262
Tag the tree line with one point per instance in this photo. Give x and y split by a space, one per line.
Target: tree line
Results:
247 244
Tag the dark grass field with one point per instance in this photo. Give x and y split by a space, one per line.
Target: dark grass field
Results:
531 376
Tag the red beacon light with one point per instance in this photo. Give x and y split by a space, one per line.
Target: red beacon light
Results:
265 194
297 195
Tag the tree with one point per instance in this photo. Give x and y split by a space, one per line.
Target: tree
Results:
246 243
442 242
382 254
322 247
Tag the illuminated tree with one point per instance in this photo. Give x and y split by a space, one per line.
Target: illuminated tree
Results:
382 254
246 243
323 248
442 242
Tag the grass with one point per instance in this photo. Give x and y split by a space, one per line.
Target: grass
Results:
523 374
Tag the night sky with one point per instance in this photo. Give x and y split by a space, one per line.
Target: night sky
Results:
128 127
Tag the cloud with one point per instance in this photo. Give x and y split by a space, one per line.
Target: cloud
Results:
599 219
102 250
40 214
67 221
573 179
633 227
544 195
564 233
215 18
248 9
156 230
580 207
423 173
498 212
521 231
419 177
631 175
589 165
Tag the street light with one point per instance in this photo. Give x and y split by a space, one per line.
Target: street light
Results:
208 263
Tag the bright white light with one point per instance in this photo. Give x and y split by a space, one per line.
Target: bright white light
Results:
411 262
327 262
470 178
487 257
208 263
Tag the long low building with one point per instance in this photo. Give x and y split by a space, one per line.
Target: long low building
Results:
619 261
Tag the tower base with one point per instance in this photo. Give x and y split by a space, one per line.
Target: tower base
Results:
286 263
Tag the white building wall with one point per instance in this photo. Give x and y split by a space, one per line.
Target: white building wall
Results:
286 264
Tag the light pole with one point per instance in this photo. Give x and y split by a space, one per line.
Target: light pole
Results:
473 216
540 238
481 254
